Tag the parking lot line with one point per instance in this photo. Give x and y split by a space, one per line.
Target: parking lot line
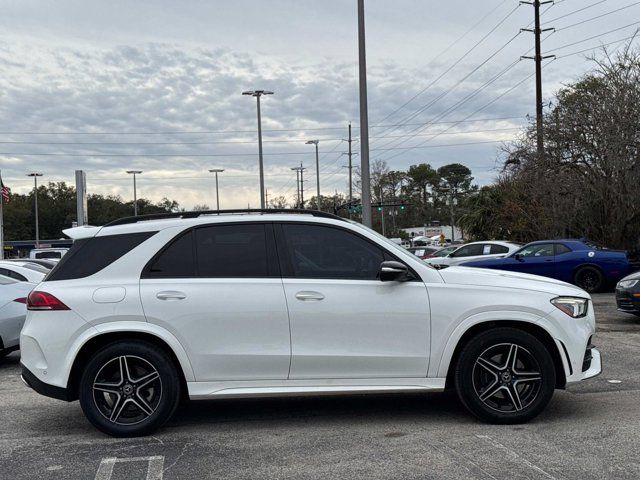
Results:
155 466
514 456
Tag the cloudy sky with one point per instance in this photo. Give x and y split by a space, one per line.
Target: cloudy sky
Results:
156 86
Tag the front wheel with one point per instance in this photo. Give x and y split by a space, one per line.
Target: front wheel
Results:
505 375
129 388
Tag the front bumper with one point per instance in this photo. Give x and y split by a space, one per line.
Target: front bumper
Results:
626 301
43 388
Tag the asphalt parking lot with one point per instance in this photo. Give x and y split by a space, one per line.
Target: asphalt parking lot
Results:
590 431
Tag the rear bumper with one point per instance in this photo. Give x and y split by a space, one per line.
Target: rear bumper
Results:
43 388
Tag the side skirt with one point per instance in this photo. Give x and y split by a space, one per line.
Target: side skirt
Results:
272 388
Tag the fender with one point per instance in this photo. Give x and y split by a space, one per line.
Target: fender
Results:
444 360
148 328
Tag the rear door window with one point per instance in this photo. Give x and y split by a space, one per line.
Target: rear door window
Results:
232 251
218 251
498 249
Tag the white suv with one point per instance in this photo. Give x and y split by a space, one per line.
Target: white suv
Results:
147 310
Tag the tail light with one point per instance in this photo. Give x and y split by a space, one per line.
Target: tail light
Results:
44 301
21 300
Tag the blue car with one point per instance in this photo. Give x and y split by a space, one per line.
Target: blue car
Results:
574 261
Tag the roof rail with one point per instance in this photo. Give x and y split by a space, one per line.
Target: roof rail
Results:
196 214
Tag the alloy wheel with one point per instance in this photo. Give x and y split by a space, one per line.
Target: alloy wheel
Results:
507 377
127 390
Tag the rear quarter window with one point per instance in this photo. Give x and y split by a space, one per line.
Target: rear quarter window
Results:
88 256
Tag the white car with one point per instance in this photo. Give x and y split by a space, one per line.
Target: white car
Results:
476 251
13 309
48 253
23 271
142 312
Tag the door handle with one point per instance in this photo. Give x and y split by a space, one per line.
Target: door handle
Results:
171 295
306 296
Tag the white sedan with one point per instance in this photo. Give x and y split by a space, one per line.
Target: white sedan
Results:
23 271
476 251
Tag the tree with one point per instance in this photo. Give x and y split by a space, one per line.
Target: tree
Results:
57 211
585 184
278 202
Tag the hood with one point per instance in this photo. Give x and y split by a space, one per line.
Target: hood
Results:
504 279
633 276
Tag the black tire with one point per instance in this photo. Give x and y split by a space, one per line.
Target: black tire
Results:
590 279
147 397
473 379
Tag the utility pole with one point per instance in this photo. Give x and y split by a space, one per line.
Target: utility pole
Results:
258 94
35 176
135 192
315 142
302 169
299 179
266 197
537 31
364 120
217 171
382 209
350 172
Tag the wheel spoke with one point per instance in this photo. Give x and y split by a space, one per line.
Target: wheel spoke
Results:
510 362
124 369
147 379
491 390
514 396
118 407
113 388
489 366
527 380
142 404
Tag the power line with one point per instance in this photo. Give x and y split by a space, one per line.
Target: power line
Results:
445 51
594 36
596 17
437 79
575 11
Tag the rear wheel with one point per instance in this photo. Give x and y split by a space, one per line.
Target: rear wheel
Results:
129 388
505 375
590 279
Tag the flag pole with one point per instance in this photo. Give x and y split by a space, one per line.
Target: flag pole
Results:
1 222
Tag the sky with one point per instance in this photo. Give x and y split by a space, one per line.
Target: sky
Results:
156 86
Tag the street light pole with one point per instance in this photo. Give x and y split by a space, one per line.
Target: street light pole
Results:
35 176
315 142
258 94
217 171
364 121
135 191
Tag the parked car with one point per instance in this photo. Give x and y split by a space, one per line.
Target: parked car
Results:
573 261
152 309
628 294
52 253
424 252
444 251
475 251
47 264
23 271
13 309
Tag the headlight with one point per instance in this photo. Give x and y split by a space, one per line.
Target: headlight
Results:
627 283
573 306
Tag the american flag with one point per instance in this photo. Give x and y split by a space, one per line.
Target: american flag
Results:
5 192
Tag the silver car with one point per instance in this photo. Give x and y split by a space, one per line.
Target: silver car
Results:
476 251
13 309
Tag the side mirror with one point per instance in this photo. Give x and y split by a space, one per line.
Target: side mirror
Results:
519 257
393 271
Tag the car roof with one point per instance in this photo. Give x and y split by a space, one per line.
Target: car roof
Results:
149 223
566 241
